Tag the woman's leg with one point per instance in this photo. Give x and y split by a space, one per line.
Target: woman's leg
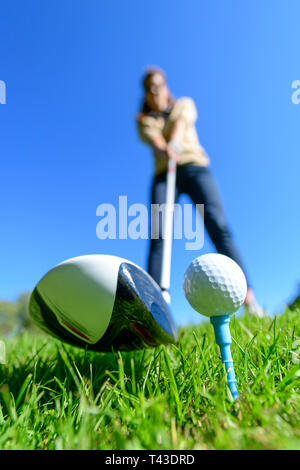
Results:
201 187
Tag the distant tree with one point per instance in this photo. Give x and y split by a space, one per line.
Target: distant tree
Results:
295 303
22 314
14 316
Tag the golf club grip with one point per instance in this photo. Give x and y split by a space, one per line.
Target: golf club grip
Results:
168 225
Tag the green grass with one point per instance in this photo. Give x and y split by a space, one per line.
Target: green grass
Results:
54 396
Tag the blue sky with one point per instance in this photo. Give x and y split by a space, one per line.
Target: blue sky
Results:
68 140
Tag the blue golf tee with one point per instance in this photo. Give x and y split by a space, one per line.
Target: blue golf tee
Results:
223 339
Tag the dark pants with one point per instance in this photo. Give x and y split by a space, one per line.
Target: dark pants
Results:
198 183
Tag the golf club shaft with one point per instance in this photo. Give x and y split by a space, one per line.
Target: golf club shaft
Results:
168 229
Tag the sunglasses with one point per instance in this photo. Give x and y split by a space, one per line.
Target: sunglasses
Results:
154 86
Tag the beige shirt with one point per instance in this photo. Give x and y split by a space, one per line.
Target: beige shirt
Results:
152 126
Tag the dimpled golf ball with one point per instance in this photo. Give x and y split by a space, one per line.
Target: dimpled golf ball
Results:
215 285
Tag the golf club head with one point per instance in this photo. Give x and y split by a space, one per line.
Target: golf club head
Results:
102 303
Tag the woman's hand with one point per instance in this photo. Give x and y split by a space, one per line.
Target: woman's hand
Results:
171 153
165 150
161 153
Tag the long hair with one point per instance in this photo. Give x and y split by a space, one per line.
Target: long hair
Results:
150 71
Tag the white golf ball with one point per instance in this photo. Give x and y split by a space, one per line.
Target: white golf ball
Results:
215 285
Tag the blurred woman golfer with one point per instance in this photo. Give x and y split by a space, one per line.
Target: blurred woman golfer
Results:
168 126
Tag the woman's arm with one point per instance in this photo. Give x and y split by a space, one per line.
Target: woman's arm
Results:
151 136
165 149
159 143
177 131
162 148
